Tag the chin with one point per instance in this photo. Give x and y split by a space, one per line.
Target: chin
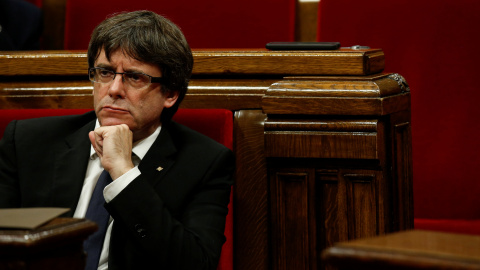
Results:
110 121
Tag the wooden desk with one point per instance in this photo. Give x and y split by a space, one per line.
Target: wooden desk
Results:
322 141
56 245
407 250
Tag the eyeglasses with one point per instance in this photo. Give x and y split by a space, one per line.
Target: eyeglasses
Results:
136 80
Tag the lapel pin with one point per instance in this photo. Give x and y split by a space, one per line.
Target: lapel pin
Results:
159 168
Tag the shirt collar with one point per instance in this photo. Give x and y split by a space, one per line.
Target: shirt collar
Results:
140 148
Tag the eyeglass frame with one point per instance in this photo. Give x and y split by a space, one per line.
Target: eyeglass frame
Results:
152 78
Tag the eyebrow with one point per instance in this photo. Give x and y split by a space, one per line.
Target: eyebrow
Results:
110 67
105 66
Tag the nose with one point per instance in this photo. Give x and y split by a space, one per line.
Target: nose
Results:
117 87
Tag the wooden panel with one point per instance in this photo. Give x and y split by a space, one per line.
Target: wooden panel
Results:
379 85
44 63
251 245
362 204
55 245
321 145
407 250
321 138
306 21
314 124
315 207
290 216
381 95
332 208
232 94
347 205
293 219
211 62
402 165
339 62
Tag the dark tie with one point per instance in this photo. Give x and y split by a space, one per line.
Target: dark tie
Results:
96 212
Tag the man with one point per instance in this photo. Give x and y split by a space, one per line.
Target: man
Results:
169 201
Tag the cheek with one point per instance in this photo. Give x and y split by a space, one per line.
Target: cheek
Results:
146 105
140 105
152 105
150 100
99 91
96 95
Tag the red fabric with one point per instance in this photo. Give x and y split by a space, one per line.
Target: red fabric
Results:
214 123
449 225
206 24
6 116
434 45
218 125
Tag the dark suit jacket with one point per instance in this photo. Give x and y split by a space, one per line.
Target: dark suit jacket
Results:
173 218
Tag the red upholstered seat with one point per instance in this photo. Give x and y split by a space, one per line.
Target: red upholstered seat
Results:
206 24
434 45
214 123
6 116
218 125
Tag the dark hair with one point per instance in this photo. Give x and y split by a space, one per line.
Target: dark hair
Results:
150 38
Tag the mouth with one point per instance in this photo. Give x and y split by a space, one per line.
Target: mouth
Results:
114 109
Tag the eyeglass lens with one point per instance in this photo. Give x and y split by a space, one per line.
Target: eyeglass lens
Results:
135 80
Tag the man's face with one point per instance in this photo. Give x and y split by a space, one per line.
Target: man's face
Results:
118 103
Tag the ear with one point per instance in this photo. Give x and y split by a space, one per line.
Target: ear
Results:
170 99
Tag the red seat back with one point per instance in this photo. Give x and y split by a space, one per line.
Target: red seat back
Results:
206 24
218 125
6 116
434 45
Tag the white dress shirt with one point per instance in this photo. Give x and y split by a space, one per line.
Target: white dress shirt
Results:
94 169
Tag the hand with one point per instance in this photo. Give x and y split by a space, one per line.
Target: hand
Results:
113 145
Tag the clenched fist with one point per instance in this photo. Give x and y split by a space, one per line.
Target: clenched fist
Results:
113 145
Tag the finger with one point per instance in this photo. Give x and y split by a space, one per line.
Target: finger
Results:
93 142
99 137
98 141
91 136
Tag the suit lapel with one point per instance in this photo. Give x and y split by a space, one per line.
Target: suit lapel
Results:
70 167
160 157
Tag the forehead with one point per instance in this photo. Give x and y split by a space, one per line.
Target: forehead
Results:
121 61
